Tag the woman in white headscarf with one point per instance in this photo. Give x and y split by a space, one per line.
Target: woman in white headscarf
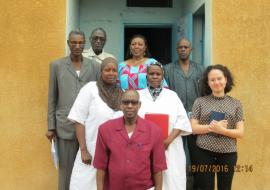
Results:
159 100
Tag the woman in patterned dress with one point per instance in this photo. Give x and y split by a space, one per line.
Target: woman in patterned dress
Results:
217 119
132 72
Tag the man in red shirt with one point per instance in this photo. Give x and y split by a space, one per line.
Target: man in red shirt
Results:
129 150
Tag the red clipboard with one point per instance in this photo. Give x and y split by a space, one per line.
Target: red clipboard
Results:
161 120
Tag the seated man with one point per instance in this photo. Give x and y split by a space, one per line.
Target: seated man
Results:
129 150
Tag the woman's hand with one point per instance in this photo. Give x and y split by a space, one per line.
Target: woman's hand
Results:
86 157
218 127
171 137
166 143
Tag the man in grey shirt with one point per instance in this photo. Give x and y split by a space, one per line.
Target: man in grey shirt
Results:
183 76
67 76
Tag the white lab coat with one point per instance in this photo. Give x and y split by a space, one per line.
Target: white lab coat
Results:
90 110
174 178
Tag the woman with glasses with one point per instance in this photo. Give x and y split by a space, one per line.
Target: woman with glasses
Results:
155 99
96 103
132 72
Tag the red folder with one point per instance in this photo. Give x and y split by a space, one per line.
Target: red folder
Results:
161 120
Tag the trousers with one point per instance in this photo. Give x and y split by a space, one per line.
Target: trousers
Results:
208 164
67 151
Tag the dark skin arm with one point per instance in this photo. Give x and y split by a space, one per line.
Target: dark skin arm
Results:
171 137
80 133
100 176
52 102
158 180
51 134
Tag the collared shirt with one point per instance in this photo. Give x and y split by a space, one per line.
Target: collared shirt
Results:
90 54
187 86
130 162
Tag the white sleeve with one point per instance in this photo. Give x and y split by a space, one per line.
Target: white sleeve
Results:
182 122
80 109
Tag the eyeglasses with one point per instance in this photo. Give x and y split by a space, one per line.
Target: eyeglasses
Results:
73 43
132 102
96 38
183 47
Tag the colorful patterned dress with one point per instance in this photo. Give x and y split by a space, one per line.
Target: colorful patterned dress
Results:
134 77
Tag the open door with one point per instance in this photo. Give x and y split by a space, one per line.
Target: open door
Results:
159 40
198 35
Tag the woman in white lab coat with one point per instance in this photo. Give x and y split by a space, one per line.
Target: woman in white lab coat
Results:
96 103
159 100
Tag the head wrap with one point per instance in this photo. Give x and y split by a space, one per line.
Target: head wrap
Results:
110 93
155 91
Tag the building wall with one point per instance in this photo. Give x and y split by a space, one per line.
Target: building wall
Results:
72 18
241 36
112 15
32 34
189 7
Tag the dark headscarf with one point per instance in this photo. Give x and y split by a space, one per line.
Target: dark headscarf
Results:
155 91
110 94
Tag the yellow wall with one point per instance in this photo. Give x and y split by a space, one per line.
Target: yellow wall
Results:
32 34
241 40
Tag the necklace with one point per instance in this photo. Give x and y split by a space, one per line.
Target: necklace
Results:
136 62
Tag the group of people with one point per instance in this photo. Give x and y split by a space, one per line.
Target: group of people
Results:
97 109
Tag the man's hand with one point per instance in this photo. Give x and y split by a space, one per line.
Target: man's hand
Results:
158 180
86 157
51 135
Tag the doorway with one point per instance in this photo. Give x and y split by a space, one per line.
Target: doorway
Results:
159 40
198 36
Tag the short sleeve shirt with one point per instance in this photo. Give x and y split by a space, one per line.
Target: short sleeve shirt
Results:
129 162
233 114
134 77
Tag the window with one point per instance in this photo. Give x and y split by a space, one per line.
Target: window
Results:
149 3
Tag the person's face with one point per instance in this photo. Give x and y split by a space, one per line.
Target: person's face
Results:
98 40
154 76
217 81
137 47
109 73
130 104
183 49
76 44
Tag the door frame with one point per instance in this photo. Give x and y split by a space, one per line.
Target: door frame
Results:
149 25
